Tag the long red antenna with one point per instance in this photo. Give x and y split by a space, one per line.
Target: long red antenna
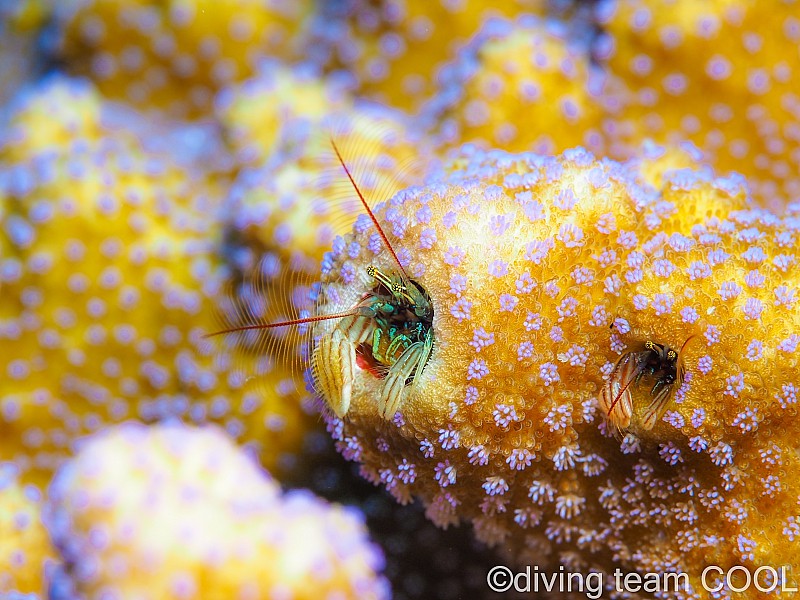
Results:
283 323
689 339
619 396
368 209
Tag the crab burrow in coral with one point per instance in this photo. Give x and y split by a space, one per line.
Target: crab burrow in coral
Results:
284 213
542 272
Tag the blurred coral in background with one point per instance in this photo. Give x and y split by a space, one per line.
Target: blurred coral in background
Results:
721 74
111 281
174 57
25 549
166 171
171 511
393 51
522 85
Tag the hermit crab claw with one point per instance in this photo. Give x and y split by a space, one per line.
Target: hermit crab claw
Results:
427 348
335 363
395 382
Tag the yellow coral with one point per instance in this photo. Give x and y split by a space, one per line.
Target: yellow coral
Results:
521 86
109 282
717 73
56 115
260 112
25 549
183 513
394 49
529 260
299 199
175 56
26 15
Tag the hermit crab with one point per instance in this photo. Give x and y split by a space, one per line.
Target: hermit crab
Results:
388 332
658 361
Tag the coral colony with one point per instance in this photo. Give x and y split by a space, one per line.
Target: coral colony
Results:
519 285
180 477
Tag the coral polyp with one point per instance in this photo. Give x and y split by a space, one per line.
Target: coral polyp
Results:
528 262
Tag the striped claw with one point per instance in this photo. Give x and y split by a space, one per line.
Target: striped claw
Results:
334 367
395 383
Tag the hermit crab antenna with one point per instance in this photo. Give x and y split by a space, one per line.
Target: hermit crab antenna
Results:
261 326
368 209
619 397
689 339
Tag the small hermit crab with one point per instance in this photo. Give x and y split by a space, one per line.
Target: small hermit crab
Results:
388 333
655 360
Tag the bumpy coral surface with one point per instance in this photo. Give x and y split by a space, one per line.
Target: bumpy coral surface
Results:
393 50
174 512
109 276
720 74
25 550
174 56
543 272
521 86
299 197
57 115
118 232
260 113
